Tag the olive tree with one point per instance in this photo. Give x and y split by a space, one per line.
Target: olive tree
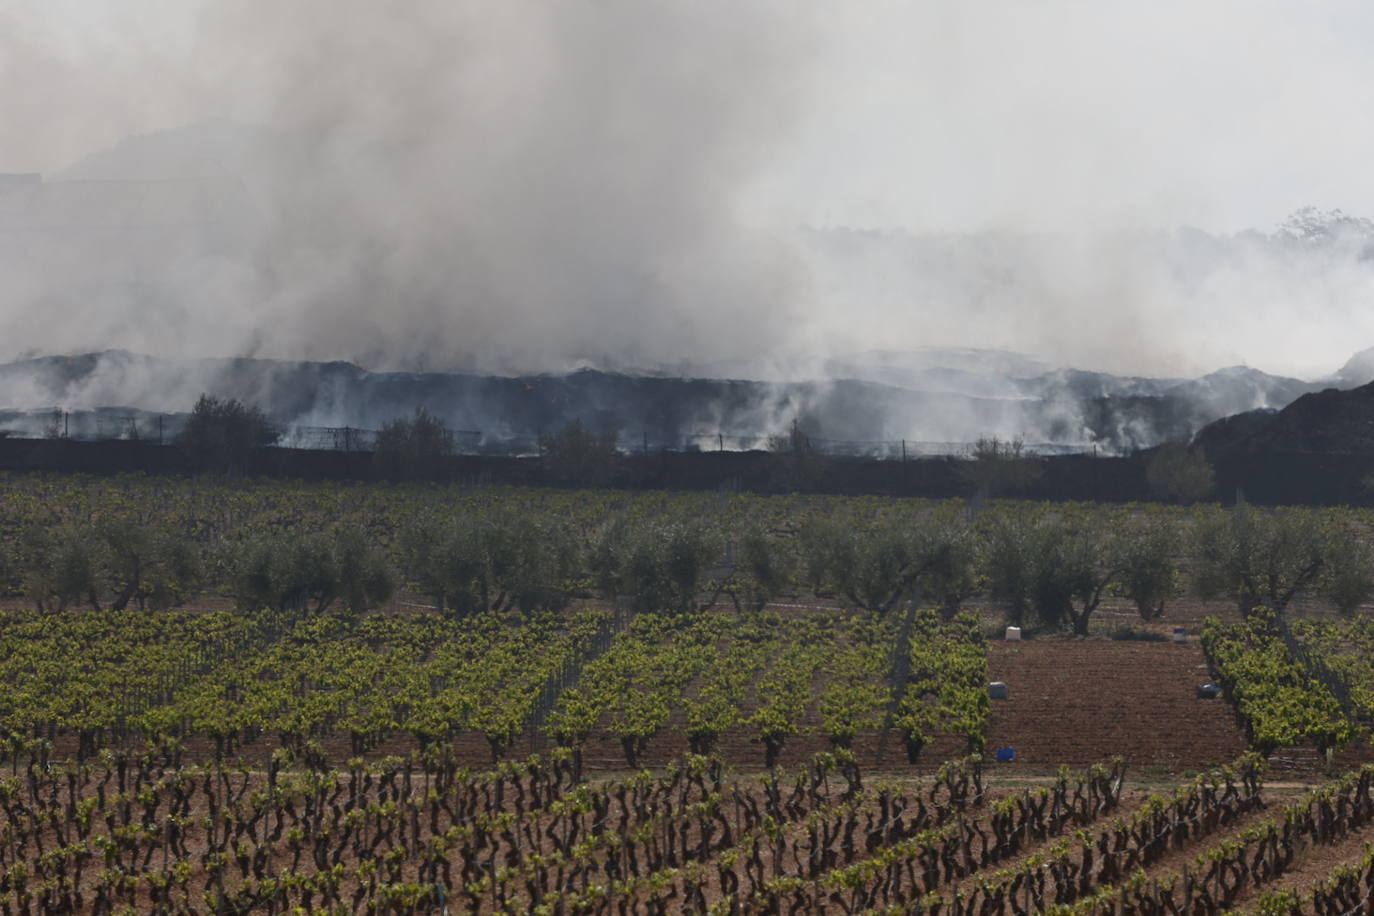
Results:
875 563
1258 557
1009 557
954 570
125 560
446 559
818 540
365 576
661 566
500 561
872 564
147 564
685 552
1072 571
1347 579
877 567
61 566
293 570
1146 560
283 571
530 562
764 569
1061 569
608 557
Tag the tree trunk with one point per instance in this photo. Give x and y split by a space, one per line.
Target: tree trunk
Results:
772 748
914 746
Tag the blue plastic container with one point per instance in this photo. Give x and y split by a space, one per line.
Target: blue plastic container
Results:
1006 754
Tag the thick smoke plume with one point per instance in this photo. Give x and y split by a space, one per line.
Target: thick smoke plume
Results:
514 185
519 186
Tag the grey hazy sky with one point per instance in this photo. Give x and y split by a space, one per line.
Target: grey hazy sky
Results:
1225 114
720 128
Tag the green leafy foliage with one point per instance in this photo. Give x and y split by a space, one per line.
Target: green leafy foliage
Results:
1280 702
1147 561
946 690
1259 557
761 672
1345 648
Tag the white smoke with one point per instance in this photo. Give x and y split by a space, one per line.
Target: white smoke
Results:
525 185
500 186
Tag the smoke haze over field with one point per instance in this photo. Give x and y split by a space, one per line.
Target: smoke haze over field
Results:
524 186
507 185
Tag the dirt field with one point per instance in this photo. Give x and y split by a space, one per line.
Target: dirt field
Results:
1081 701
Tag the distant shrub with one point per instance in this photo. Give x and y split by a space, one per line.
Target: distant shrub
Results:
579 455
998 467
1179 474
1127 633
221 435
414 447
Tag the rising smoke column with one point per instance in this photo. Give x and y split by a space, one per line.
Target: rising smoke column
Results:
515 186
496 186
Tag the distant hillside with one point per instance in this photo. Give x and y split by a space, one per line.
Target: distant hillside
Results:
1358 370
1319 449
1331 421
943 411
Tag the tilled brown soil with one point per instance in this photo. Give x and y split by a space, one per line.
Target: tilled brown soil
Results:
1081 701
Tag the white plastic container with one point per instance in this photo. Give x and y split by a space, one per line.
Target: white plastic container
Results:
1013 634
1180 634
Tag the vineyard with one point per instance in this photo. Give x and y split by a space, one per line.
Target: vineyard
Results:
125 833
1344 651
271 697
229 683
